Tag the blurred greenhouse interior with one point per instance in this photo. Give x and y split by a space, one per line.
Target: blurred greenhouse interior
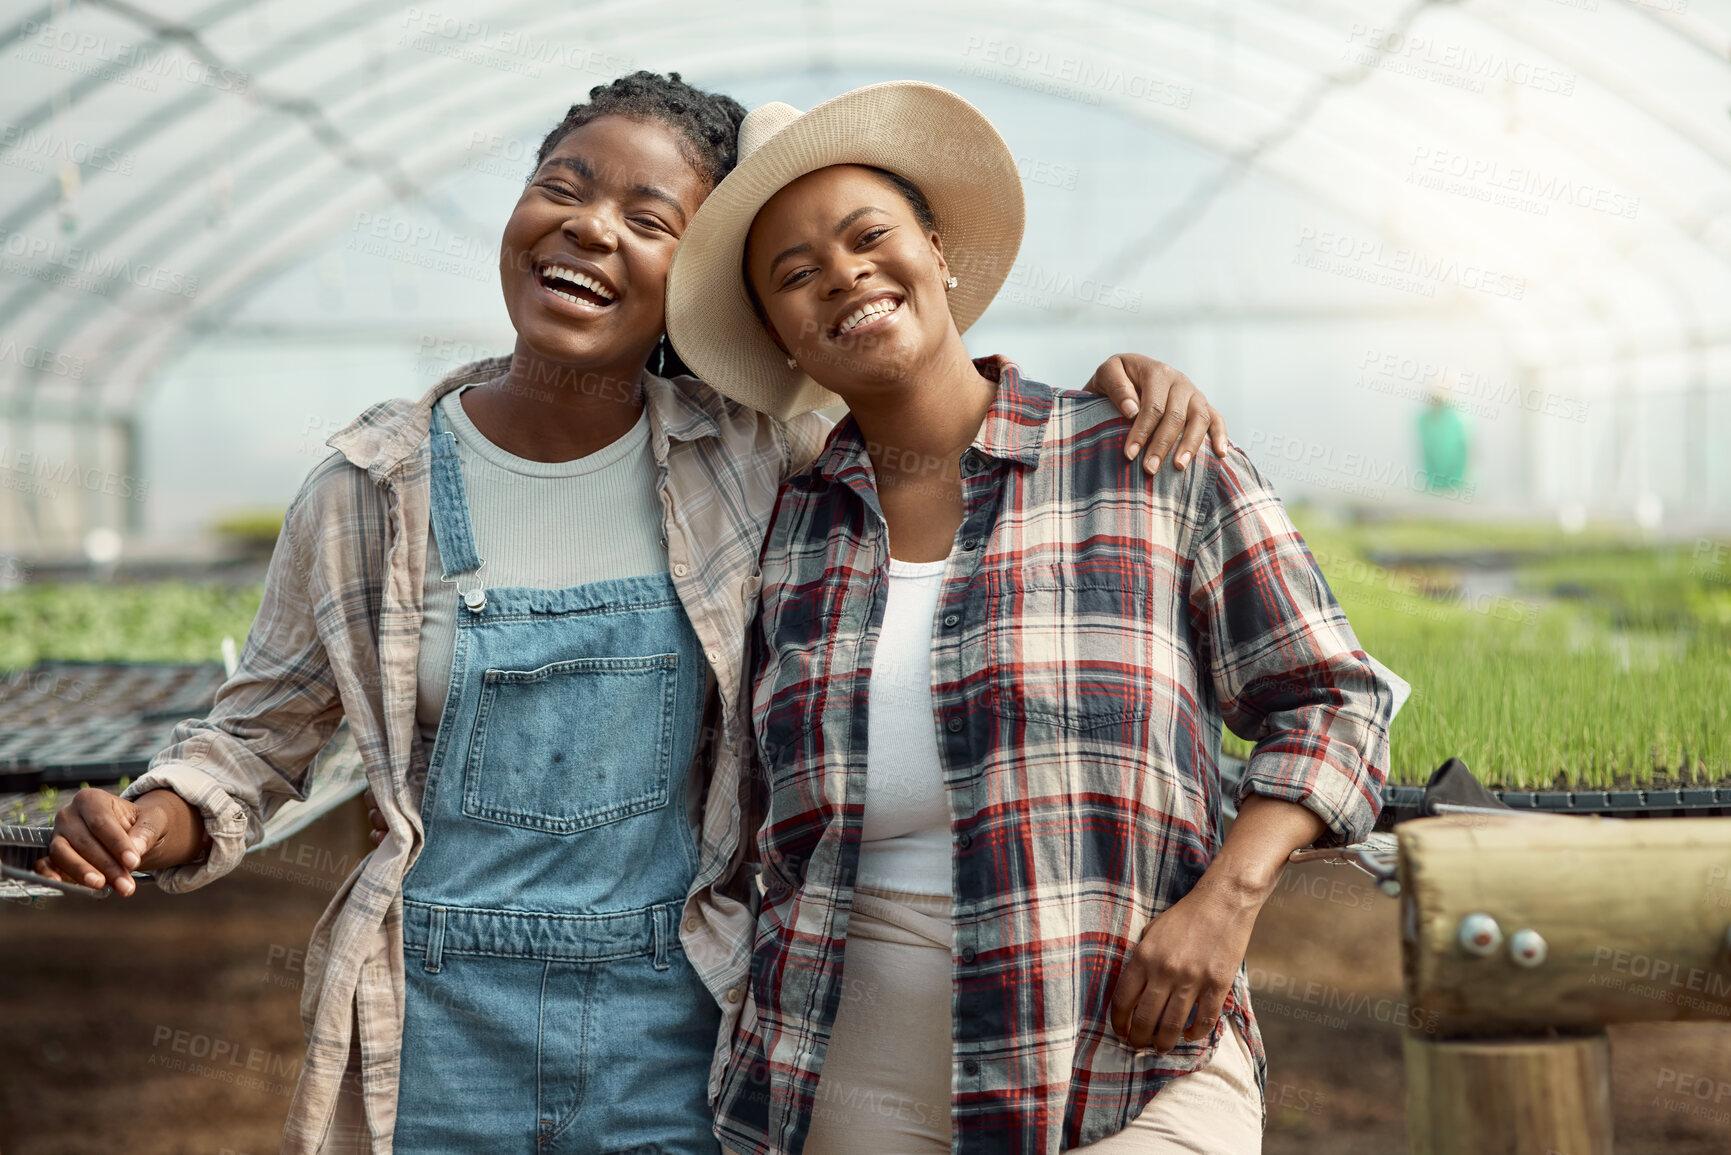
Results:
229 226
1458 274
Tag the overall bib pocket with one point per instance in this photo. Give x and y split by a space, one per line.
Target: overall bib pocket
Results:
574 744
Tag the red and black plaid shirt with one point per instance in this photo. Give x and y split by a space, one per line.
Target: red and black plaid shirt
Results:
1094 629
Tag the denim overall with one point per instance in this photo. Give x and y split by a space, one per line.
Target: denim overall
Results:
549 1003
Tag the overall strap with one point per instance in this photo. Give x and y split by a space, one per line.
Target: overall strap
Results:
450 514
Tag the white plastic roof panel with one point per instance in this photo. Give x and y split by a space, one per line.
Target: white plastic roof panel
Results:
1560 169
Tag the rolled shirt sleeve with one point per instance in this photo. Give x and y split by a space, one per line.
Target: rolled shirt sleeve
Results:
255 749
1287 669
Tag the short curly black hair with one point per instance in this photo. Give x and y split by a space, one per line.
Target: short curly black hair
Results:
707 123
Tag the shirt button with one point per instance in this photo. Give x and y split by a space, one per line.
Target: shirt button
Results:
950 620
970 1067
970 544
714 658
954 725
970 462
690 925
964 840
734 994
968 955
679 569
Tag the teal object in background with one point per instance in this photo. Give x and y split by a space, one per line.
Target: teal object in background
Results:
1443 434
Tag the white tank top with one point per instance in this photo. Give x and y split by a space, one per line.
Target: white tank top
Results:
905 844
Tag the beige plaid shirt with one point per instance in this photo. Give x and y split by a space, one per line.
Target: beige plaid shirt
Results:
338 636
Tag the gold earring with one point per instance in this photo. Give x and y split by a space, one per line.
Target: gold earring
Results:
951 283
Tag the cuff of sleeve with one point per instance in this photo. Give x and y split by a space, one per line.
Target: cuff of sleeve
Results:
225 822
1335 795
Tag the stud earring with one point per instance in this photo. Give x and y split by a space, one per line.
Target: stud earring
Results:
792 364
951 283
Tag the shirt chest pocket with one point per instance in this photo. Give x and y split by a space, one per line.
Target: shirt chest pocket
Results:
1076 647
801 628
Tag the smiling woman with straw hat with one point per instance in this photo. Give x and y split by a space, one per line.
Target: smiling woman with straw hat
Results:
993 660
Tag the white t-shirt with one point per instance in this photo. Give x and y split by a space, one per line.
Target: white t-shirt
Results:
905 844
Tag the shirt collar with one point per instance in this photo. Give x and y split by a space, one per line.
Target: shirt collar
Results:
683 406
386 435
1014 428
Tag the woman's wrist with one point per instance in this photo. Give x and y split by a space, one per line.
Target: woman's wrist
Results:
1250 862
1240 884
184 838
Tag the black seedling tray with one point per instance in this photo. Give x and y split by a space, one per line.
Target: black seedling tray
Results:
1400 803
63 723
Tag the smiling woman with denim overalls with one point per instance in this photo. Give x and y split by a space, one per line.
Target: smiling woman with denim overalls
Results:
555 930
563 749
526 592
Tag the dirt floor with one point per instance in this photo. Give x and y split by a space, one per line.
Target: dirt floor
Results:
161 1024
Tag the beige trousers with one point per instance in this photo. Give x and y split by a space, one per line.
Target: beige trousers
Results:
885 1088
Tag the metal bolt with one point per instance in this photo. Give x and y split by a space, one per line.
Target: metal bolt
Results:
1480 935
1527 948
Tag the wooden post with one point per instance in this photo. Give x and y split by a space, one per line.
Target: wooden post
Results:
1508 1097
1630 921
1522 937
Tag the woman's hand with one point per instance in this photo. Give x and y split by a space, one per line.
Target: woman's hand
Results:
101 838
377 819
1186 962
1146 391
1190 953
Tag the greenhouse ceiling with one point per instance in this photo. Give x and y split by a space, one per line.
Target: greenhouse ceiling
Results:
159 160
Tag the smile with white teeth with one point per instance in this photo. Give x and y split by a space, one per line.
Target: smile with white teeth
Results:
871 310
573 277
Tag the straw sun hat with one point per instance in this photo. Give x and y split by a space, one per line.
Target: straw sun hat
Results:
927 134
